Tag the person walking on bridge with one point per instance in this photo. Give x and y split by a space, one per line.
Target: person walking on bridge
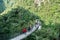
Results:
24 30
30 27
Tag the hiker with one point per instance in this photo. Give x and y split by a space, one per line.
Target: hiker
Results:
24 30
36 22
29 28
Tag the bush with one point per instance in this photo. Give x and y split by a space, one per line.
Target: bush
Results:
12 23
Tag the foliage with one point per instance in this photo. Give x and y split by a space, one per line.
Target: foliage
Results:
14 21
49 15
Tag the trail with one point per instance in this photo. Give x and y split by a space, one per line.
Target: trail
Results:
24 35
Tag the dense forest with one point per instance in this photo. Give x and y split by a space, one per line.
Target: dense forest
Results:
18 14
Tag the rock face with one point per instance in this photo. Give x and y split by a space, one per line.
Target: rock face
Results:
2 6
